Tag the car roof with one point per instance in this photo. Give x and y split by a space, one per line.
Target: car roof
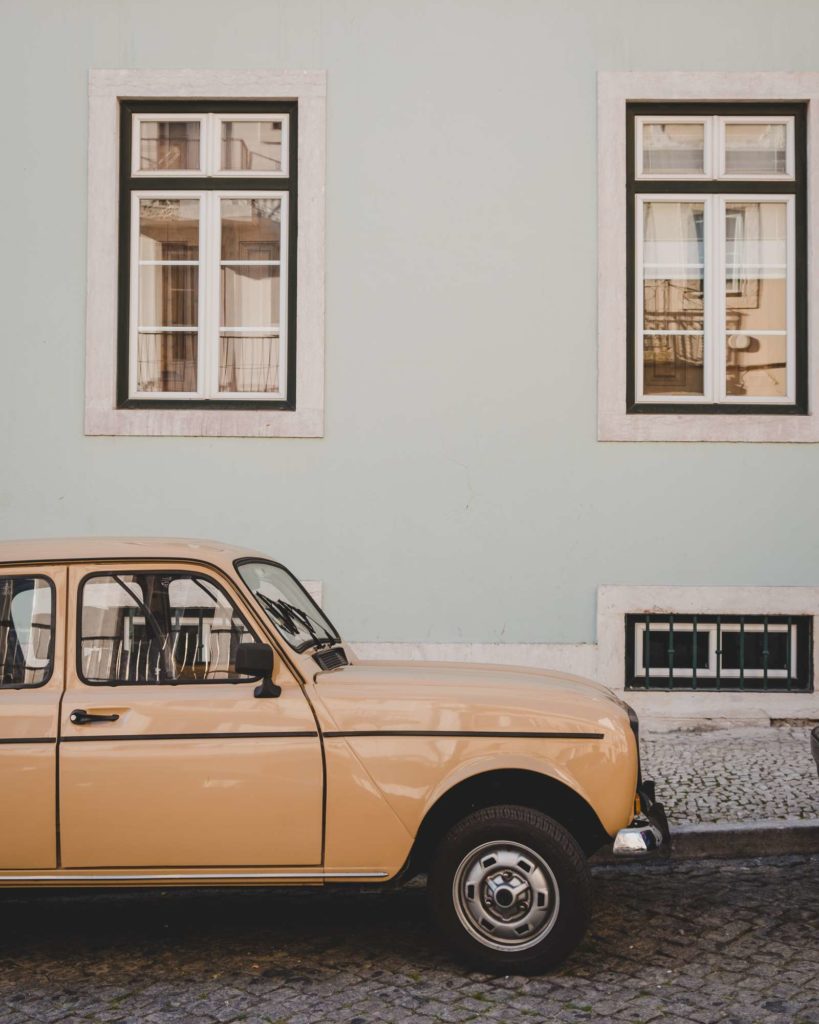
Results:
49 550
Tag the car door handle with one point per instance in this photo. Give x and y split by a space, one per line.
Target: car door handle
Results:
81 717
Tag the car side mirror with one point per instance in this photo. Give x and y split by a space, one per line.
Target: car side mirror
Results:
257 660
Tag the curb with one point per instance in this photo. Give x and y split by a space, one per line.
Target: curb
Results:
737 839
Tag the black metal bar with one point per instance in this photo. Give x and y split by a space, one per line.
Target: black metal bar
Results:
742 652
694 666
670 652
765 653
789 680
647 651
719 651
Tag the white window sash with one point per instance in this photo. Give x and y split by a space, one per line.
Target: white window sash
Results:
714 146
210 145
714 301
208 330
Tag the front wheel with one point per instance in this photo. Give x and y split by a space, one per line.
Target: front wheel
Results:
510 890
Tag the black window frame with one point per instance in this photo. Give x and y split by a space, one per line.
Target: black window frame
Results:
796 187
119 570
52 643
800 678
129 183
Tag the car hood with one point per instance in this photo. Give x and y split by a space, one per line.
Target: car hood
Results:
455 696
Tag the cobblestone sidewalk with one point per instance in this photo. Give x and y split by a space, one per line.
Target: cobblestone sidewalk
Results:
728 775
672 943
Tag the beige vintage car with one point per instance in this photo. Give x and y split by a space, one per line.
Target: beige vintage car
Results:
182 713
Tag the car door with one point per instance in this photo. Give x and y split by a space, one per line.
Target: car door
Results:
167 759
32 610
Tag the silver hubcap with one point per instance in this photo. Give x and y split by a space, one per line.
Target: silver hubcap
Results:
506 895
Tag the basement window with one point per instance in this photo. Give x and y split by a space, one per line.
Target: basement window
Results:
746 653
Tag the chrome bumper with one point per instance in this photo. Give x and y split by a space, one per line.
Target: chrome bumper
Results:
640 838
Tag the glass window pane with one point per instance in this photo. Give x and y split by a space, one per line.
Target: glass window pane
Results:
151 628
169 146
756 365
248 362
168 295
252 145
756 148
673 266
166 362
26 630
756 254
673 147
251 229
250 296
673 364
169 229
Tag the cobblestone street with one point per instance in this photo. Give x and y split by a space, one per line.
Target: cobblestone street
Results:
726 775
705 942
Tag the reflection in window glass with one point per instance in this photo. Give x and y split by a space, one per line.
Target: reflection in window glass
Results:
159 628
673 148
252 146
26 630
169 146
756 316
752 148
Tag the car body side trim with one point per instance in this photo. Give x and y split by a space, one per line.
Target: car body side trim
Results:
212 876
111 737
469 734
28 739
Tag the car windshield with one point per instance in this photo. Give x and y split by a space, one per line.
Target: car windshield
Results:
288 605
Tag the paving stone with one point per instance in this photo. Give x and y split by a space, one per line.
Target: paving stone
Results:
730 775
694 942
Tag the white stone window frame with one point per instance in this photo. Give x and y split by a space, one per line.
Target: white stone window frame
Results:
615 602
106 89
615 90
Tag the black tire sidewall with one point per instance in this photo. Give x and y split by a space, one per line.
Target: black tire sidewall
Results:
560 851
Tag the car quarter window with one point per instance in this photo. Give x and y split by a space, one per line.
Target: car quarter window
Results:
158 627
26 630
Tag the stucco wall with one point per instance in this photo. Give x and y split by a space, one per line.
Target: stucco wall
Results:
459 494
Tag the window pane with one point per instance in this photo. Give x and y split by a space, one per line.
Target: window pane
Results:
251 229
746 648
252 146
26 629
672 304
756 253
166 362
756 148
756 367
673 148
168 296
250 296
169 146
152 628
169 229
249 362
673 266
673 364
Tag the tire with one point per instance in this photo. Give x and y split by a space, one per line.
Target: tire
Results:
510 890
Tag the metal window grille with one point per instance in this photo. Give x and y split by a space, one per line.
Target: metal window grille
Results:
745 653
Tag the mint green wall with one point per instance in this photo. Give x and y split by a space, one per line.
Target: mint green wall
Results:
459 493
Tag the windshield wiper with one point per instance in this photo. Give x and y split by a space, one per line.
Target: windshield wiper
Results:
291 618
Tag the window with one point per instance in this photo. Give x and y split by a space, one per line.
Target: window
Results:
752 653
26 631
158 628
207 255
717 317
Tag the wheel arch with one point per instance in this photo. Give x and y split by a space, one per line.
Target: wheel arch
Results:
519 786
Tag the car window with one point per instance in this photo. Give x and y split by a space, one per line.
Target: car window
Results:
151 627
26 630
